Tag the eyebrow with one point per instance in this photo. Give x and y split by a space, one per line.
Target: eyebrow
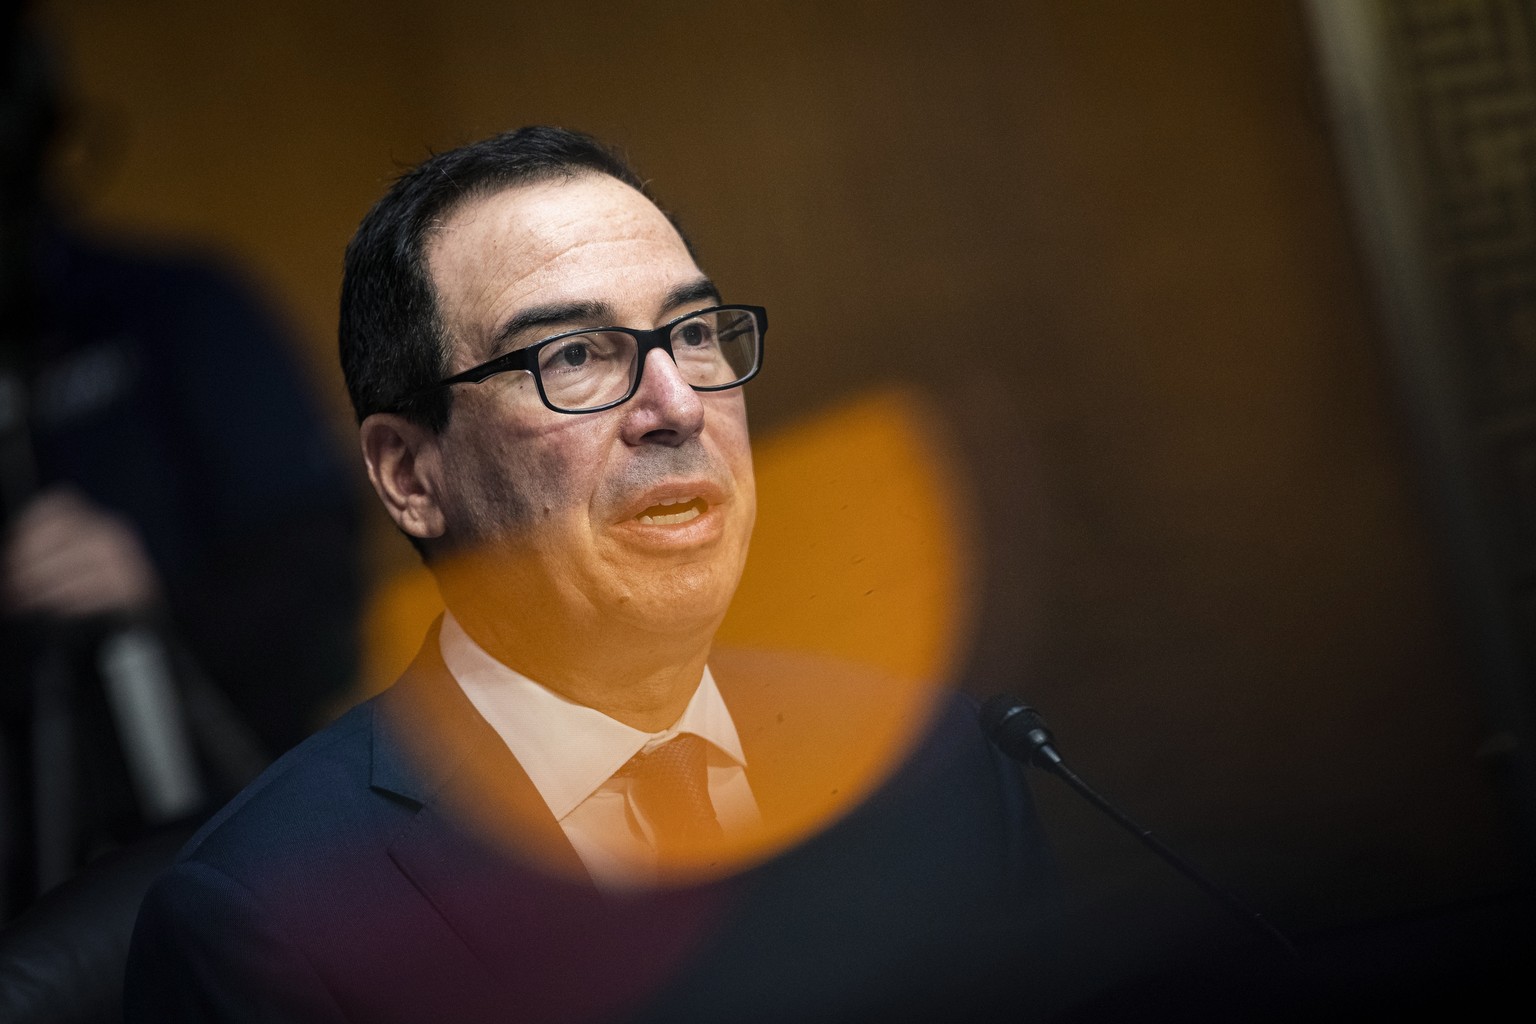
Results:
556 314
695 291
552 315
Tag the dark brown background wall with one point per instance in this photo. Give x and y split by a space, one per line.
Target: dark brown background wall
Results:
1109 241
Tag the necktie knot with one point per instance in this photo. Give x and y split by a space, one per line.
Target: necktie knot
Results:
671 786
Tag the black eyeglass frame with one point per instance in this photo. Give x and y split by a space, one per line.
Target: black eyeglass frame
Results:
645 340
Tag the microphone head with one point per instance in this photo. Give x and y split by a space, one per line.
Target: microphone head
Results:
1018 730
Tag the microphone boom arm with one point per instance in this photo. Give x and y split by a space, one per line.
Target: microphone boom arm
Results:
1019 731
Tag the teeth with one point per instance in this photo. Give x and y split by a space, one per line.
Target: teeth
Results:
668 519
672 511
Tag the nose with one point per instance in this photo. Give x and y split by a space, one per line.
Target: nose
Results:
664 410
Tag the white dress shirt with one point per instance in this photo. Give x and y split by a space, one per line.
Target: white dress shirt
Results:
570 752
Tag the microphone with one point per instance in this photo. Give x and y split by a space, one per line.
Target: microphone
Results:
1018 731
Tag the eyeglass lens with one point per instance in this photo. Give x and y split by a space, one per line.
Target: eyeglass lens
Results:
584 371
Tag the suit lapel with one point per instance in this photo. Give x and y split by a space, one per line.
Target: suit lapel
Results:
485 852
479 815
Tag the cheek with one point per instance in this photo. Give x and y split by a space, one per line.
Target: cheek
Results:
746 488
540 482
736 447
512 469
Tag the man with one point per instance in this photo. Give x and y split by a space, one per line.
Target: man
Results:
560 813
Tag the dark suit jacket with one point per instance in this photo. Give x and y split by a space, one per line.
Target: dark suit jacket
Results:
368 876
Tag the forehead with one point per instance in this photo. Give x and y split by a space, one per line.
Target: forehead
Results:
589 239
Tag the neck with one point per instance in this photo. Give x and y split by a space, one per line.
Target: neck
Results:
645 682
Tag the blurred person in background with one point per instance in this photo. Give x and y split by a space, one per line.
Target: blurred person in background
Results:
178 571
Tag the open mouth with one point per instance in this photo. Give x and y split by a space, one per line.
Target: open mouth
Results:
671 513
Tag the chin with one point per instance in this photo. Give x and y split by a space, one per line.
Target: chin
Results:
682 599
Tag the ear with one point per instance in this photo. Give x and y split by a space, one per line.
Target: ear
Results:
404 464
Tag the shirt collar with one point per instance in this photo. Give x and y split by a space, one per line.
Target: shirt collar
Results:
569 749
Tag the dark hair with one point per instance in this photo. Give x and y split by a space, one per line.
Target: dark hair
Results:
391 336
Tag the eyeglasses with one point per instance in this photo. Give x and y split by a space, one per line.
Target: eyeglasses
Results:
591 370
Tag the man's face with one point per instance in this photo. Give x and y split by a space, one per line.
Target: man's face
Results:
637 516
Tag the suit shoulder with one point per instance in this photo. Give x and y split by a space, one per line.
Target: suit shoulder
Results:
316 787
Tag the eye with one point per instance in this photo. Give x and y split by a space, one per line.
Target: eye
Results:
568 355
695 334
582 354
